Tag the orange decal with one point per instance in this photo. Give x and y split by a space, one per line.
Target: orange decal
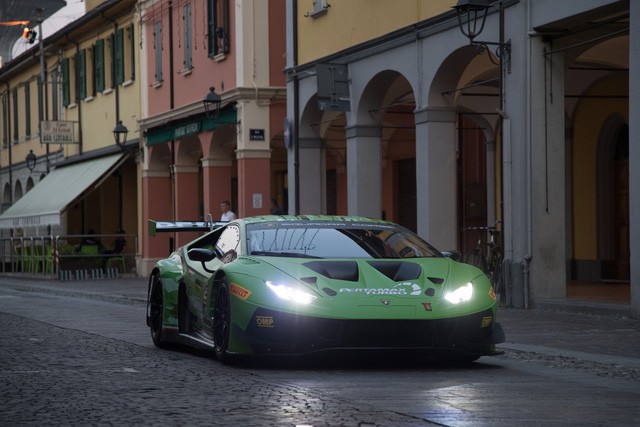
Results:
427 306
239 291
492 293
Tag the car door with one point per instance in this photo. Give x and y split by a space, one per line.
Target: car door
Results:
227 249
196 278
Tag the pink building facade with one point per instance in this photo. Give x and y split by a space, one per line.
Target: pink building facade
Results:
195 157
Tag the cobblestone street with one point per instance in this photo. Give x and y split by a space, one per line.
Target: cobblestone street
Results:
79 353
53 376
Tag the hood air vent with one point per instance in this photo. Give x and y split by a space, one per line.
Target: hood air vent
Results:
397 270
337 270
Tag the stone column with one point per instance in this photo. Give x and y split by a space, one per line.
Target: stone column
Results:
436 176
364 171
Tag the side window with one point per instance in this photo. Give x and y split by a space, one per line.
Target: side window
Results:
228 243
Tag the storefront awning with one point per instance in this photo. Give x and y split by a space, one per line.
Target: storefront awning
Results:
46 201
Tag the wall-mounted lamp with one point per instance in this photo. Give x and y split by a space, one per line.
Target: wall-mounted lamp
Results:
212 101
120 134
31 160
472 15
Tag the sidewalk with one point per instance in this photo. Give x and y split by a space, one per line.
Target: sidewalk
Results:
574 331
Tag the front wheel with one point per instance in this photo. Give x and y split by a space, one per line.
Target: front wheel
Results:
222 322
156 309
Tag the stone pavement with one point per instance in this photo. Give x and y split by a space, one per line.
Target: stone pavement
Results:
562 334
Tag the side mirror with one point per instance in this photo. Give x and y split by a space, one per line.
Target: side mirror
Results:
453 254
202 255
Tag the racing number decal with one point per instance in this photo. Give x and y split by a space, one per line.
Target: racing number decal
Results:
239 291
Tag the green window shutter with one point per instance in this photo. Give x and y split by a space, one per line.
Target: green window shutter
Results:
119 56
112 56
66 90
27 108
132 58
98 68
5 122
54 95
40 101
81 74
16 134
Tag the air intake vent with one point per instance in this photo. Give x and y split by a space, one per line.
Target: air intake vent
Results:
397 270
338 270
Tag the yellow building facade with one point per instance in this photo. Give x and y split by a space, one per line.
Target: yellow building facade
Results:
61 101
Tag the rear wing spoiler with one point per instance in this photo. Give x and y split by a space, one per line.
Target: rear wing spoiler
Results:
177 226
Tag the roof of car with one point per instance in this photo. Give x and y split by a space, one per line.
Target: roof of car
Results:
312 218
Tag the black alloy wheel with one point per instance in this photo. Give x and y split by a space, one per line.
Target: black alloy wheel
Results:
156 308
222 321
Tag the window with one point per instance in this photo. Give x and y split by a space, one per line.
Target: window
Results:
186 20
98 66
157 45
66 86
81 74
218 27
27 108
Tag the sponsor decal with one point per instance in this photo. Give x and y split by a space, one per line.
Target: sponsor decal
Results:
239 291
486 321
492 293
427 306
264 321
400 289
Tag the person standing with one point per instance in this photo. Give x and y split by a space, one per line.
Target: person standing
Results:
227 213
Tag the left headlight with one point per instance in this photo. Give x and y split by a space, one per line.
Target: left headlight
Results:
462 294
288 293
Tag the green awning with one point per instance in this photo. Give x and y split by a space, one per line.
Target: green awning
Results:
190 127
45 202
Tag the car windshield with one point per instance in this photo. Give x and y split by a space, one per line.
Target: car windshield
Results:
335 240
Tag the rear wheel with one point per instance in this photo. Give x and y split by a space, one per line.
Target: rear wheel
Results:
156 309
222 321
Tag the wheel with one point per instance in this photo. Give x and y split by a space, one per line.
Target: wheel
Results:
156 309
222 321
475 258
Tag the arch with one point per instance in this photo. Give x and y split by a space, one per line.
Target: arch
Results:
6 196
17 192
610 147
30 184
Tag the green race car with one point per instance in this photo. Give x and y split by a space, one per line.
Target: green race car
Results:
293 285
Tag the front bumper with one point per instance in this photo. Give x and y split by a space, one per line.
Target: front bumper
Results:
272 332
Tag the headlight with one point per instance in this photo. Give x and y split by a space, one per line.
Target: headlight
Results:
462 294
291 294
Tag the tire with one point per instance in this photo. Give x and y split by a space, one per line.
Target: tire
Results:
222 322
156 314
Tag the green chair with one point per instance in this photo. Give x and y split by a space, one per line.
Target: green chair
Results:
118 260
